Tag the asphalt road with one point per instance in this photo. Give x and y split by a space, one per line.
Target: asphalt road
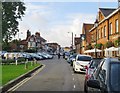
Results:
57 75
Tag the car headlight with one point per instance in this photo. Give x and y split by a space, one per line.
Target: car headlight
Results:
77 63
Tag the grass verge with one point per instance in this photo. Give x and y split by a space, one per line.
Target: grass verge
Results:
10 72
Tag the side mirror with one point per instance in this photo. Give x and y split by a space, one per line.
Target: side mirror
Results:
93 84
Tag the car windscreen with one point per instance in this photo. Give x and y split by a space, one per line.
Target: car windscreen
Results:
94 64
84 58
115 76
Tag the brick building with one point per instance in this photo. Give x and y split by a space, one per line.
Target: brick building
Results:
107 30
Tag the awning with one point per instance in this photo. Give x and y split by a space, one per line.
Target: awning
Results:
112 49
92 51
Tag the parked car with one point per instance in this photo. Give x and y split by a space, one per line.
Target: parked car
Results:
71 59
80 62
90 69
48 55
67 54
43 55
27 56
106 78
37 57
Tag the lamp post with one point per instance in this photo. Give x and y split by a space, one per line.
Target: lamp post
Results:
72 39
96 25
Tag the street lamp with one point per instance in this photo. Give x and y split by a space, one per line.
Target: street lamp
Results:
96 25
72 39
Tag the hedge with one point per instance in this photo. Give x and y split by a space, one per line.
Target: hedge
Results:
9 61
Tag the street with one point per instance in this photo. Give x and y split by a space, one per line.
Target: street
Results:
57 75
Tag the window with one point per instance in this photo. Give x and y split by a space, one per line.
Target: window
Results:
102 73
99 34
92 37
84 58
115 78
110 29
116 26
104 31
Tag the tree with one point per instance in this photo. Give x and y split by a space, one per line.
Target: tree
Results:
11 12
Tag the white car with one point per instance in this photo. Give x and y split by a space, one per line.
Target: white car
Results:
80 62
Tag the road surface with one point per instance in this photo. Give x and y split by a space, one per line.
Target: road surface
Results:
57 75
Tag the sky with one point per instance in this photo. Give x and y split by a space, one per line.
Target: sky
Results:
55 19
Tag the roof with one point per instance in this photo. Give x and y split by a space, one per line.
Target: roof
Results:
87 27
23 42
42 39
107 11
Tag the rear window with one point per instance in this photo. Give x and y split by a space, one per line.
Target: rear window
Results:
115 76
84 58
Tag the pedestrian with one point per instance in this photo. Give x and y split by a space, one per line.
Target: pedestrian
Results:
58 55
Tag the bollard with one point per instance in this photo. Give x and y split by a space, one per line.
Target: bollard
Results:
26 66
16 61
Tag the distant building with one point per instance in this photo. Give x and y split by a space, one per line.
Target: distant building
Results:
33 41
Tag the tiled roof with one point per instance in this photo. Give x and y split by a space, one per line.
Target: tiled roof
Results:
23 42
42 39
87 26
107 11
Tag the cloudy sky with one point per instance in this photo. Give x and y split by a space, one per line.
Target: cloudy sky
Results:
55 19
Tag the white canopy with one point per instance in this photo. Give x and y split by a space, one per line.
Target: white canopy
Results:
112 49
92 50
108 51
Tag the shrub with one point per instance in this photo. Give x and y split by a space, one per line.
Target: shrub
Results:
31 50
117 42
109 44
9 61
99 46
89 46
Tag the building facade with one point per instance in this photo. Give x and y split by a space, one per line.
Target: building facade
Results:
105 34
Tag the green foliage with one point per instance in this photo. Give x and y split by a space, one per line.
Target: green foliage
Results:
109 44
5 46
11 12
99 46
9 61
89 46
117 42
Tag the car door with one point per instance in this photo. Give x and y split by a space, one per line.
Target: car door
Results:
102 76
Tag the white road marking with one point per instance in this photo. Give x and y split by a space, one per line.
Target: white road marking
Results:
74 86
73 79
72 74
25 80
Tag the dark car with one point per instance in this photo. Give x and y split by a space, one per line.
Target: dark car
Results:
72 58
90 68
106 78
